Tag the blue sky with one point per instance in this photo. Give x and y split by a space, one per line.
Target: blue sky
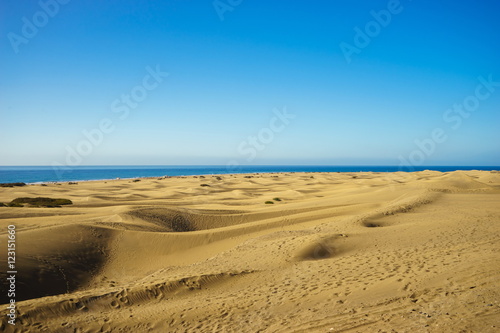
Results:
233 66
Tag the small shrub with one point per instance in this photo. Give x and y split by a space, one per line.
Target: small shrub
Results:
12 184
40 202
136 180
2 204
277 199
269 202
204 185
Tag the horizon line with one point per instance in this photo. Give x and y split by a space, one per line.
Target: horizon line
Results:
256 165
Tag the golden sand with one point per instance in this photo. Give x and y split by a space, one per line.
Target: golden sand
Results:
340 252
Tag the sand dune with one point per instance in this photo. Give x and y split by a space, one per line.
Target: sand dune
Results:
334 252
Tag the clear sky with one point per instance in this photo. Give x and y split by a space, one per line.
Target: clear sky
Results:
257 82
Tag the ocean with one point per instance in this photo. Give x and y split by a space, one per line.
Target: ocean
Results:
42 174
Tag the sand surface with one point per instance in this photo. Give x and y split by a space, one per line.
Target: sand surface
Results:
341 252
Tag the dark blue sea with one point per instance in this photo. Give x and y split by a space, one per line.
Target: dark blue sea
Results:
40 174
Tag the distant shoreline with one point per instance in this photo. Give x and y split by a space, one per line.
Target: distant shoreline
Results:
45 174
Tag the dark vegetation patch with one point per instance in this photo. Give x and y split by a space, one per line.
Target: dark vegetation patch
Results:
269 202
13 204
12 184
39 202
